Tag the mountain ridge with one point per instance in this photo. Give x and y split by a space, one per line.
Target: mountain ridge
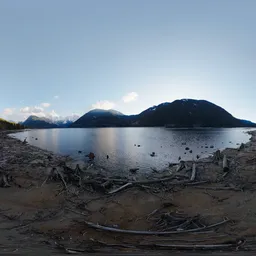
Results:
179 113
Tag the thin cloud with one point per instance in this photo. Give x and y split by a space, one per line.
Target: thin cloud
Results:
35 109
104 104
56 97
8 111
45 105
132 96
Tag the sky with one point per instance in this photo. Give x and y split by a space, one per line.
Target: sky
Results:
66 57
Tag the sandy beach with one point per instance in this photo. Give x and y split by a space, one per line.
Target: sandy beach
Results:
214 212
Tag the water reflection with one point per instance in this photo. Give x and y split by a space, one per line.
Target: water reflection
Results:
118 143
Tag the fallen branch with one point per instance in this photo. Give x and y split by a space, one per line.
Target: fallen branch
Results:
62 179
120 188
181 166
190 247
71 210
219 188
159 233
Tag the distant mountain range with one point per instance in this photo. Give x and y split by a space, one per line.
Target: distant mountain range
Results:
179 113
43 122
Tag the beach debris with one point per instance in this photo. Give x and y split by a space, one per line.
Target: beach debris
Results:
153 154
91 156
197 156
171 165
170 231
180 166
107 156
120 188
55 174
225 164
211 146
134 170
217 156
154 170
49 157
179 158
79 152
5 178
25 141
193 175
242 146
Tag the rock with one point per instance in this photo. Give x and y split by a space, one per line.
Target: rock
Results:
242 146
197 156
190 151
107 156
183 143
187 148
211 146
134 170
73 164
179 158
36 138
206 146
37 161
79 151
138 146
153 154
134 145
49 157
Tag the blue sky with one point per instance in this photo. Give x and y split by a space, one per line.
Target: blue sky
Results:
60 57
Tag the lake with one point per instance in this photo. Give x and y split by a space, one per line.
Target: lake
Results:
121 144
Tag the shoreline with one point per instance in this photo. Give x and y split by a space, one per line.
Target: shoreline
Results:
33 211
125 173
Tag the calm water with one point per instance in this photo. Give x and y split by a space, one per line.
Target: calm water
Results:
119 144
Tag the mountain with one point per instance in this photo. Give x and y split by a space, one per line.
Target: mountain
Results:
6 125
43 122
39 122
179 113
189 113
101 118
64 122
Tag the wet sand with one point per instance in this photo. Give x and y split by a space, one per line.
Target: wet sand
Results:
37 219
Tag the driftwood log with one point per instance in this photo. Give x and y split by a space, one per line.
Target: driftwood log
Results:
225 164
217 156
181 166
120 188
158 233
193 175
55 174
